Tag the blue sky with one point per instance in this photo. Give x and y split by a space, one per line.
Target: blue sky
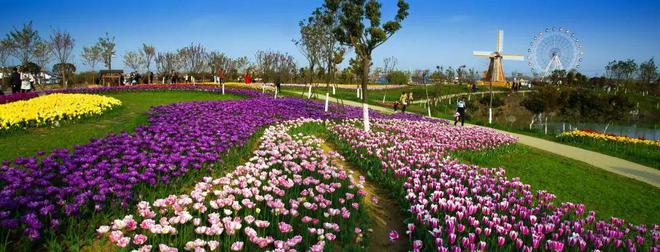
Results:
436 32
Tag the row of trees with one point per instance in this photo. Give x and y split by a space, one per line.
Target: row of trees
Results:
628 70
34 52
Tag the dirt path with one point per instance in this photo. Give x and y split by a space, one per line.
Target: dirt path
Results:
384 210
612 164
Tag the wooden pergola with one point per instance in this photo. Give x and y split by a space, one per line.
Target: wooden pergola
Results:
110 77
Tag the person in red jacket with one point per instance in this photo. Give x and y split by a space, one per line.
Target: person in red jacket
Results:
247 77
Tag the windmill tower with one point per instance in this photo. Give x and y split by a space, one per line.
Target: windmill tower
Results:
495 74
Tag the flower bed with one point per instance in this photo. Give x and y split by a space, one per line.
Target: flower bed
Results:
51 109
17 97
600 136
290 195
38 192
456 207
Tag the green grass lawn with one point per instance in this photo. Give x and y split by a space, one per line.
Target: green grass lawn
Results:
607 193
125 118
376 96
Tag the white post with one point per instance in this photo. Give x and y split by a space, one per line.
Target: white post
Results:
333 89
429 110
490 116
163 80
357 93
275 94
223 88
309 92
546 125
365 117
383 99
263 89
482 95
563 127
469 96
327 97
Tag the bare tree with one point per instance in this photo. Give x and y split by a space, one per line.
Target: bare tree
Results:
107 47
5 51
42 54
311 42
333 51
24 42
286 67
91 55
389 64
242 64
62 44
193 58
148 53
133 60
273 65
167 62
218 60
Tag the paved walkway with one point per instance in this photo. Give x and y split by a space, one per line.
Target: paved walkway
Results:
612 164
482 93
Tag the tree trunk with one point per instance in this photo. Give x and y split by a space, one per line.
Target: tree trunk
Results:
365 106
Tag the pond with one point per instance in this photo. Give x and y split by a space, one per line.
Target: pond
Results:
646 131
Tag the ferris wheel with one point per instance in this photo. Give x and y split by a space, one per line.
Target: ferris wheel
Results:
555 48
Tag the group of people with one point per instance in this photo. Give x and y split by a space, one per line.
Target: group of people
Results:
173 77
404 100
407 97
136 78
21 82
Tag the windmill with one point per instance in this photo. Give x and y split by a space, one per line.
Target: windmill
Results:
495 74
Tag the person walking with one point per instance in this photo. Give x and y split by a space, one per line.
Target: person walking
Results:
278 83
25 82
460 109
175 77
15 81
221 76
404 101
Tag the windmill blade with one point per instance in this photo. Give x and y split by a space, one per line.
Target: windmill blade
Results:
483 54
500 40
518 57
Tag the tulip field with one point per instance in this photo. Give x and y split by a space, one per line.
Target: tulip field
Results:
259 173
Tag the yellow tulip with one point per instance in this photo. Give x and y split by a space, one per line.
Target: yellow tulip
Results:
46 109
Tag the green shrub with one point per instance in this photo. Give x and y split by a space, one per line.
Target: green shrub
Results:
398 77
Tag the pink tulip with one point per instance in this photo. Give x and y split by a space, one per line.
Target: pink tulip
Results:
237 246
394 235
